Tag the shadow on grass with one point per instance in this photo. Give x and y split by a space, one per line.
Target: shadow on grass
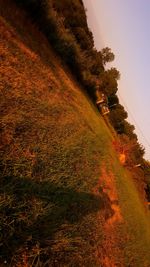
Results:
22 220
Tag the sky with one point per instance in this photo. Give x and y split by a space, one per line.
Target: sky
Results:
124 26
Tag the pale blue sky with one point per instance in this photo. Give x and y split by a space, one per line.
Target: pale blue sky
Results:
124 26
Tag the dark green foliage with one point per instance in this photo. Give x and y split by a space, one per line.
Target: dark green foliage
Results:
114 73
117 117
82 38
73 12
107 55
36 8
108 84
146 170
138 152
95 64
113 100
147 190
129 130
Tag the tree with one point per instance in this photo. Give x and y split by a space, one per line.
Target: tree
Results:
146 170
117 117
94 62
109 84
114 73
129 130
107 55
83 38
113 100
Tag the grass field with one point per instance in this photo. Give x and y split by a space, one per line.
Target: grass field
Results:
65 199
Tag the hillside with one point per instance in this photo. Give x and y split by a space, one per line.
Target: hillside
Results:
66 200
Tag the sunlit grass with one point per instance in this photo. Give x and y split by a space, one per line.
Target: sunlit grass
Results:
54 148
136 227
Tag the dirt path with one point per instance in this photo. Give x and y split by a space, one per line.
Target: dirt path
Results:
110 252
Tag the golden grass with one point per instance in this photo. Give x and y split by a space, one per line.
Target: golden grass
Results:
65 199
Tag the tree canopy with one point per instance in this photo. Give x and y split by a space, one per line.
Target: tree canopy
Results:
107 55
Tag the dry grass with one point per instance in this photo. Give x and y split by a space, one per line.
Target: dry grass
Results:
50 152
111 245
63 192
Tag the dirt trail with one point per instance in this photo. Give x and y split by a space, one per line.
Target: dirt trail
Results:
110 252
110 189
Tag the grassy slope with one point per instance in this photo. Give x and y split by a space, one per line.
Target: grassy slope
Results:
55 200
